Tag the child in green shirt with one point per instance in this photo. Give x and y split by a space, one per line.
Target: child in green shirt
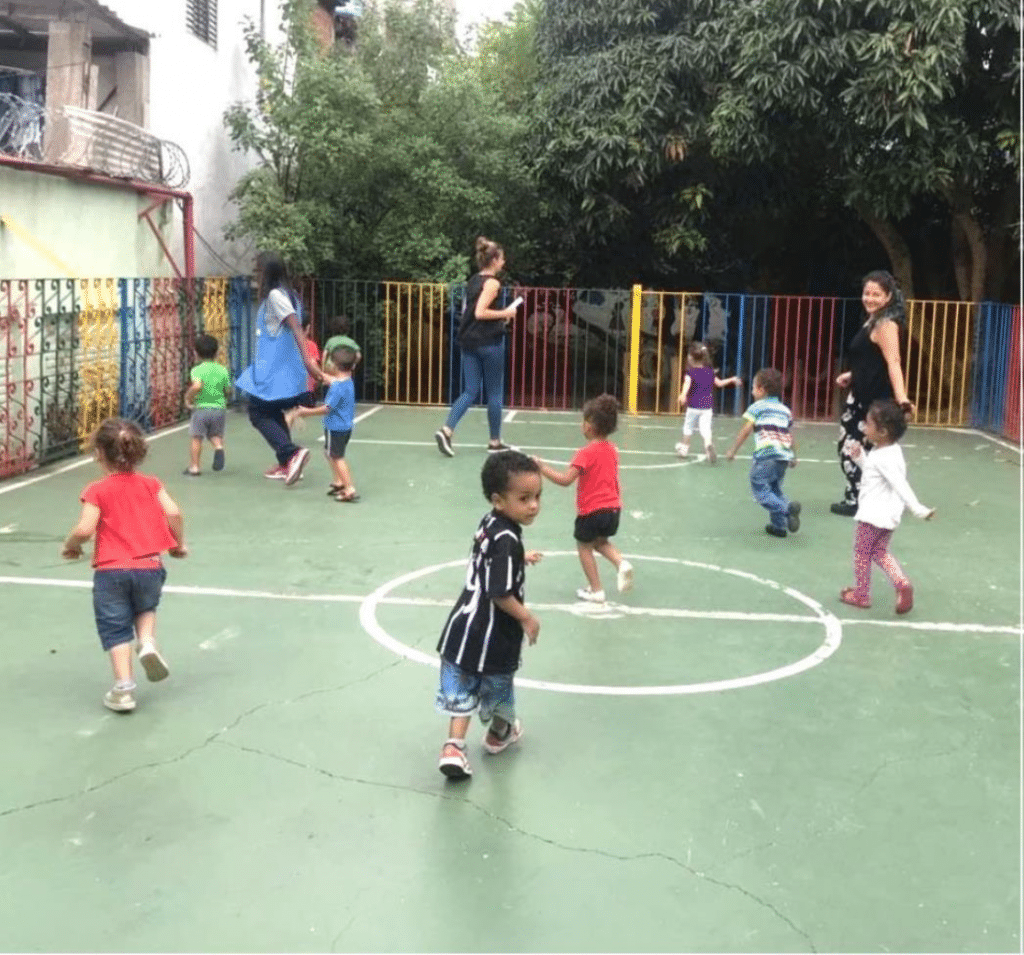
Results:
206 398
338 338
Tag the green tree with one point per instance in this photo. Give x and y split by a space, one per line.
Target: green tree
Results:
901 105
381 162
617 130
507 55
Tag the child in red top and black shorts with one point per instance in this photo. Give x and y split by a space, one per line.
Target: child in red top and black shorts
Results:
598 500
134 520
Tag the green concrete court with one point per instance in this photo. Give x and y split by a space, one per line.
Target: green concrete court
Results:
859 792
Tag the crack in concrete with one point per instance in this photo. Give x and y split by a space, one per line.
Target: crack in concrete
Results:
896 760
483 810
348 924
212 738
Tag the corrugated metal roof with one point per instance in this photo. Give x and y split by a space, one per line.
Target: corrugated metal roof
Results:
32 17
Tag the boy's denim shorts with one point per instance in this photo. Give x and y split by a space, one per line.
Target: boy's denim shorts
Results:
119 596
461 693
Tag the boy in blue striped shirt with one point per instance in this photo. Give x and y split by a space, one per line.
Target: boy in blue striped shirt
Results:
770 421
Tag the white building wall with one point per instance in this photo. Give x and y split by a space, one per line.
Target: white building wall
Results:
191 85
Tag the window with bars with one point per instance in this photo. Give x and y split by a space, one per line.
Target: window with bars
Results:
201 18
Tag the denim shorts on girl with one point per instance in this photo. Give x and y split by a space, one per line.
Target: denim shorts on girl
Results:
119 596
461 693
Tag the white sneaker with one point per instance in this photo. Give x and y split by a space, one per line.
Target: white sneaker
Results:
154 664
120 701
624 578
590 596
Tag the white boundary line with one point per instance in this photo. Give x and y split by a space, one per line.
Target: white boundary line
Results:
84 459
547 447
81 462
973 432
509 416
366 414
622 609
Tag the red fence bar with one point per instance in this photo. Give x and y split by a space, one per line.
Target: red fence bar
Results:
1011 415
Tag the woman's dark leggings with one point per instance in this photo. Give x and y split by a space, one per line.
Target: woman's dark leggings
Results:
267 417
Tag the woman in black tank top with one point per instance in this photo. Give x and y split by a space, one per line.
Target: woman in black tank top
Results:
482 342
875 372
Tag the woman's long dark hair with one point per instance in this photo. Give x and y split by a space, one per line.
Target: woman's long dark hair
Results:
896 310
273 274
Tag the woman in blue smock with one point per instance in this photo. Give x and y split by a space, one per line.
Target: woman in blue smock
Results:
277 377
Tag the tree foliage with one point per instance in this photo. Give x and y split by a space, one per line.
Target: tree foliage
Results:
385 161
654 117
901 102
617 127
737 143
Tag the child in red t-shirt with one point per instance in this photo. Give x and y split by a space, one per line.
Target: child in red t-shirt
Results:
134 520
598 501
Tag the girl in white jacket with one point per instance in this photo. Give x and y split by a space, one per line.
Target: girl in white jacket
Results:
884 493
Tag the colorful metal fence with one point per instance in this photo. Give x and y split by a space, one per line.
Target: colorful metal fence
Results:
805 338
73 352
996 380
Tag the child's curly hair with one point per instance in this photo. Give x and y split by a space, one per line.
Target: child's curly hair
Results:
889 417
603 414
498 469
121 443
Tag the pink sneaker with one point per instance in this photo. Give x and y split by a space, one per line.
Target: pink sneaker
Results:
453 762
278 473
495 744
295 465
849 596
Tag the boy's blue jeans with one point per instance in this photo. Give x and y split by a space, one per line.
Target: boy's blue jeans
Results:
766 483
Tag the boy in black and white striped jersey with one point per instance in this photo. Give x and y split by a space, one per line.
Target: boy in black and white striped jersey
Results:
482 640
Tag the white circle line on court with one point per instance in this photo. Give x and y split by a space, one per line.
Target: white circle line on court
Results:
831 643
190 591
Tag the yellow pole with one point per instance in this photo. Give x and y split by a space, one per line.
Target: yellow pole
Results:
632 386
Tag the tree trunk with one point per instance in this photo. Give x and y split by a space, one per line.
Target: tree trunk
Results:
900 260
1002 248
962 205
961 259
979 253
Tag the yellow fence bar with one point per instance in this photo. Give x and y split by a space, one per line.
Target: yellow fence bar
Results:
416 343
99 333
633 378
937 363
215 314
